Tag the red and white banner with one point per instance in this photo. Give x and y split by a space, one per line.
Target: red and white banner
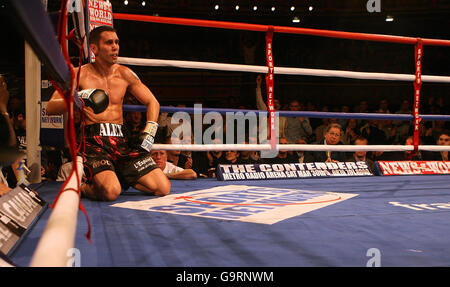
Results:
414 167
270 86
99 14
418 54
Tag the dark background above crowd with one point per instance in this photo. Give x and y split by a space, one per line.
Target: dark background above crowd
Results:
426 19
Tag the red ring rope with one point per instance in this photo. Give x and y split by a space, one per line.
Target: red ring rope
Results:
280 29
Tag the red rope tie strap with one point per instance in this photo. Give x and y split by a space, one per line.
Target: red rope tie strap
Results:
269 85
68 98
418 54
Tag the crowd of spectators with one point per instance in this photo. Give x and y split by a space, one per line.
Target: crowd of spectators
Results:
56 162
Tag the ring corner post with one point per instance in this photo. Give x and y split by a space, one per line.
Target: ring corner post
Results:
32 110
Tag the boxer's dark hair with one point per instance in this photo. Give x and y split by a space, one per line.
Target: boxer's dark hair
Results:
94 35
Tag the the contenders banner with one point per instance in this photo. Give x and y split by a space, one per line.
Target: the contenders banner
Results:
413 167
291 170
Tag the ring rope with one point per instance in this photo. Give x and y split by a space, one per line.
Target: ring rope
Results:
280 70
279 29
309 114
292 71
296 147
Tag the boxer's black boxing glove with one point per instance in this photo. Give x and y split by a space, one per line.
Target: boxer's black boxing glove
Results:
147 136
96 99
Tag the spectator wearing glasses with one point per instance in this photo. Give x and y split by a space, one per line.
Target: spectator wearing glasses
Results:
332 136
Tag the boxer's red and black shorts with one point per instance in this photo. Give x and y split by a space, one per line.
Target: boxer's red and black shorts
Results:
106 147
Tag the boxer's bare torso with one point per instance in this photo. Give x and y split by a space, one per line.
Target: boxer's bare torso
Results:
115 79
115 84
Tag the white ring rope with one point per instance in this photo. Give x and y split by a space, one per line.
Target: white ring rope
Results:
285 71
58 237
296 147
280 70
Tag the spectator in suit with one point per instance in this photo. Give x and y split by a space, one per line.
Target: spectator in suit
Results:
300 155
332 136
361 155
283 156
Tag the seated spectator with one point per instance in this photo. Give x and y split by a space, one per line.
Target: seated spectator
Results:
372 133
179 158
332 136
297 127
431 107
443 106
385 156
215 157
283 156
443 140
319 131
438 127
204 163
363 107
135 122
231 157
19 123
343 122
261 105
361 155
315 122
389 129
9 154
351 132
300 155
411 155
425 133
200 163
248 157
403 126
165 121
172 171
383 107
